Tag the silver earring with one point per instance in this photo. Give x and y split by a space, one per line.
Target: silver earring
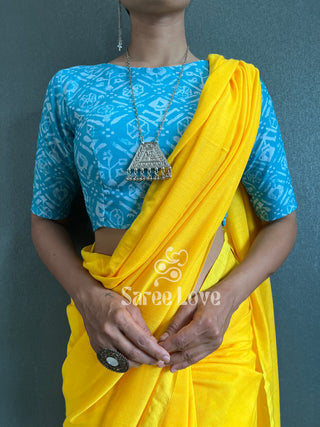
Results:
119 27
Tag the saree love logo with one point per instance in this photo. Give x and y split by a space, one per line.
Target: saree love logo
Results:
169 269
171 274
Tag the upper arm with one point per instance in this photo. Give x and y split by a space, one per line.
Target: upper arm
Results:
266 176
55 176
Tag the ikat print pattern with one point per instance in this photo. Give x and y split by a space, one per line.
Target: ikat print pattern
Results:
266 177
88 136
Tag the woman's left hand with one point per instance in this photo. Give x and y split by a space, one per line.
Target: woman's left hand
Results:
198 330
198 327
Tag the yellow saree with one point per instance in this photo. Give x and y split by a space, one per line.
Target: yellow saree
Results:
236 385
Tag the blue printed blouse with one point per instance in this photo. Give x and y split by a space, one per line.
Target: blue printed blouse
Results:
88 136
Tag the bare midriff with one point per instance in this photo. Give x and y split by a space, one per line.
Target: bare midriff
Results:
107 239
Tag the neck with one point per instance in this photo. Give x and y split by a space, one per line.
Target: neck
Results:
158 41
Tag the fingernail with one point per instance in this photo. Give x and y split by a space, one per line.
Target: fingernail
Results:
164 336
161 364
173 370
166 359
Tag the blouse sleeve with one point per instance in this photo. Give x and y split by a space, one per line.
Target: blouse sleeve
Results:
55 176
266 176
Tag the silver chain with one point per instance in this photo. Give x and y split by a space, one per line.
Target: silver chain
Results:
169 104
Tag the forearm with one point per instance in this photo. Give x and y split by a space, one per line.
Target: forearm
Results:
268 252
105 316
56 250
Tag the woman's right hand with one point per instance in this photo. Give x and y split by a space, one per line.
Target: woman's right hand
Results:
109 323
114 323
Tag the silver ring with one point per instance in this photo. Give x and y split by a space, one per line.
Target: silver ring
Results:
113 360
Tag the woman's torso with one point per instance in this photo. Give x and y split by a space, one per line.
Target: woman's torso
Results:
88 133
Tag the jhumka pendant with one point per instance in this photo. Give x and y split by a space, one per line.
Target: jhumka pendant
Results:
148 164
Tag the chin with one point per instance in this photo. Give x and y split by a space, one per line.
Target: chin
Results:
155 6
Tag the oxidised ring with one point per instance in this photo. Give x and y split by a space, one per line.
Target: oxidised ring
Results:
113 360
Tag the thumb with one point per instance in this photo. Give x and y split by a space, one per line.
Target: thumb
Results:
183 316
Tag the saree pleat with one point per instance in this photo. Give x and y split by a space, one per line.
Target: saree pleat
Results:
237 384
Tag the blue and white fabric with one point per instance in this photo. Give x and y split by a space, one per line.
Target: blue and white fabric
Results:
88 136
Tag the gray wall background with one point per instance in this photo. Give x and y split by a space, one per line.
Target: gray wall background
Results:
281 37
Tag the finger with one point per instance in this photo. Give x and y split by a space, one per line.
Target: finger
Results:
142 341
197 348
192 351
132 352
186 337
183 316
132 363
113 338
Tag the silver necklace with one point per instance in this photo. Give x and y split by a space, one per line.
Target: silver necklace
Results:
149 163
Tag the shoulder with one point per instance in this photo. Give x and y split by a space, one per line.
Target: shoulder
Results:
236 71
68 80
80 71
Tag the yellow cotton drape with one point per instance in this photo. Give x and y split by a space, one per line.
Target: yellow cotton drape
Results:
175 229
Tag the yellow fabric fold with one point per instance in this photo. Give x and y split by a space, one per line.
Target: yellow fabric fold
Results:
162 254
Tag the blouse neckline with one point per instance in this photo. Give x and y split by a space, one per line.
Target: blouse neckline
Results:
124 67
